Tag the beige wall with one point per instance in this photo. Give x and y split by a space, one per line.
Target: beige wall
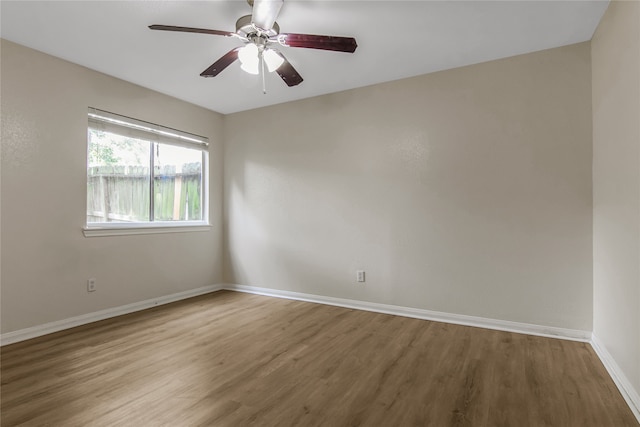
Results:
466 191
616 185
46 260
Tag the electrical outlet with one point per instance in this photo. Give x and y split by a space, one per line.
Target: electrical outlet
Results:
91 285
360 275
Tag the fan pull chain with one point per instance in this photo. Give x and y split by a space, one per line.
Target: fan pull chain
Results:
264 82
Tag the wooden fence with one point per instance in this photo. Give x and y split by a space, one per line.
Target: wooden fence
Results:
121 193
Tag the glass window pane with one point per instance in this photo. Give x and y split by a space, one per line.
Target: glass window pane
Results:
118 178
177 183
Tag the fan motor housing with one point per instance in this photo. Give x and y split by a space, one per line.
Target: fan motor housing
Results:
245 28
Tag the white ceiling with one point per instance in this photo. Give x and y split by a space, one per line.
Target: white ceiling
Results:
396 39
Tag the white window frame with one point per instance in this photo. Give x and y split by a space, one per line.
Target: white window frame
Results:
126 126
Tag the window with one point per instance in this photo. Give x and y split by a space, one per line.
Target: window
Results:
141 174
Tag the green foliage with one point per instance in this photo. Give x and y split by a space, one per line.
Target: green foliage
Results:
101 154
109 149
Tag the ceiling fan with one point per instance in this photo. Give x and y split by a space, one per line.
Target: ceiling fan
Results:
260 31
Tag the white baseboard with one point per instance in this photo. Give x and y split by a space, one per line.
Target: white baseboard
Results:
458 319
48 328
629 393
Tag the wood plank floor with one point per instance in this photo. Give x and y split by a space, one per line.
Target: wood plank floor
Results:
233 359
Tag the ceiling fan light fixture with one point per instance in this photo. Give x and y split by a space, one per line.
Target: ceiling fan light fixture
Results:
273 59
258 31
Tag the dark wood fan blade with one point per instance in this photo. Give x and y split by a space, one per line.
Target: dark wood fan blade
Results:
190 30
288 73
222 63
339 44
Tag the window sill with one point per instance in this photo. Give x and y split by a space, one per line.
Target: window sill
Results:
120 230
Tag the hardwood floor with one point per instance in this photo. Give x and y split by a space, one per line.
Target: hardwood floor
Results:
233 359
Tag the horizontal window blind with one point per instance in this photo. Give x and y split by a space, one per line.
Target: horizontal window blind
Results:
126 126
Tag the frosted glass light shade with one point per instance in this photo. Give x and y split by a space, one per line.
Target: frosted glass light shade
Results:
272 59
250 68
248 57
